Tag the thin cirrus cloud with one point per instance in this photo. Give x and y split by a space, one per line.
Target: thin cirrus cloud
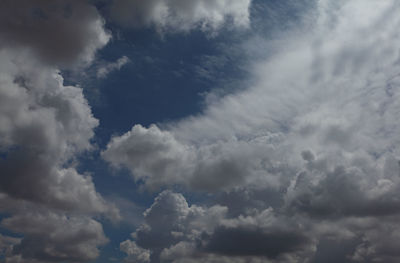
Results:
318 129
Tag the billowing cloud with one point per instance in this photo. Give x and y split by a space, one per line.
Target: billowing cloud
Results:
44 125
173 230
178 15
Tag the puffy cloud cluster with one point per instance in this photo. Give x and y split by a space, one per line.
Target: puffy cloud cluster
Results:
44 125
175 232
317 132
158 158
178 15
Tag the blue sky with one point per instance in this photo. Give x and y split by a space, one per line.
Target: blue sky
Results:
199 131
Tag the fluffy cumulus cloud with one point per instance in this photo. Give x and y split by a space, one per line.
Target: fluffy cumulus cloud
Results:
156 157
317 132
44 125
181 15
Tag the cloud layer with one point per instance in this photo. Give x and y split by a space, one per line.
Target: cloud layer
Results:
301 166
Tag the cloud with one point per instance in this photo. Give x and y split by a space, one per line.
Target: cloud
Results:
378 244
51 237
173 230
317 130
134 252
59 33
177 15
44 126
364 190
157 158
316 95
105 69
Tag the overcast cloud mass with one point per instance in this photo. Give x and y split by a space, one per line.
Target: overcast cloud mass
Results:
296 158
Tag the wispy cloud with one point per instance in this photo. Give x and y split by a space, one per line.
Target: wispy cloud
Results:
104 69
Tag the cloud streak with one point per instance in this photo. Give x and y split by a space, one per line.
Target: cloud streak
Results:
177 15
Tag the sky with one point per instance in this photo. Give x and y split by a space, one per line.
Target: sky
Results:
201 131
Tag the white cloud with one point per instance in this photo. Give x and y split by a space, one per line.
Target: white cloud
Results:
178 15
158 158
105 69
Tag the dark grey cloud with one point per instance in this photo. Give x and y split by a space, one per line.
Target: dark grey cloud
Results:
254 242
60 32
